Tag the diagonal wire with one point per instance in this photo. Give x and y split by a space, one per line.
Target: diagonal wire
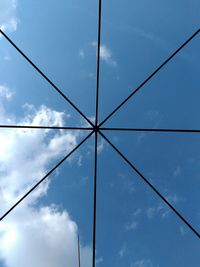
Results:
95 203
150 76
98 63
151 186
45 127
45 77
149 130
40 181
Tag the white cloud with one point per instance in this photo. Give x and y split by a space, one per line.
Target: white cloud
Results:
182 231
42 237
5 92
177 171
80 161
127 183
101 145
99 260
8 17
137 212
143 263
106 54
131 226
140 137
151 212
82 53
31 235
123 251
162 209
7 58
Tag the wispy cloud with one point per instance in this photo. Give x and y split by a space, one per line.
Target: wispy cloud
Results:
106 55
99 260
5 92
154 117
101 145
183 230
127 183
81 53
137 213
177 171
8 16
123 250
144 263
161 209
131 226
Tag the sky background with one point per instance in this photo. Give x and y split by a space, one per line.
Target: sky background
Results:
134 228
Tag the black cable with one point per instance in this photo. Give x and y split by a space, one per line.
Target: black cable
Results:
95 203
46 78
149 130
79 253
45 127
50 172
98 63
151 186
150 76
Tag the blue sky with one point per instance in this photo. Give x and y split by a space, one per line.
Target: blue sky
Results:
134 227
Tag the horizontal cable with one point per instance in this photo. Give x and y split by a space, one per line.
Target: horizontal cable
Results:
45 127
150 76
151 186
149 130
45 77
40 181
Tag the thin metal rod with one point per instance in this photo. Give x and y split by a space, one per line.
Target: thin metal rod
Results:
98 63
150 76
45 127
79 254
149 130
95 202
45 77
44 178
151 186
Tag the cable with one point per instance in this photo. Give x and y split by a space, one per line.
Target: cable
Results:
45 127
150 76
44 178
95 203
149 130
98 63
151 186
46 78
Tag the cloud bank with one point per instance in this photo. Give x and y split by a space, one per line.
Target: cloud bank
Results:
34 235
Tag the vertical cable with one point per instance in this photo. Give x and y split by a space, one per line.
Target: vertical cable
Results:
79 256
95 202
98 63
